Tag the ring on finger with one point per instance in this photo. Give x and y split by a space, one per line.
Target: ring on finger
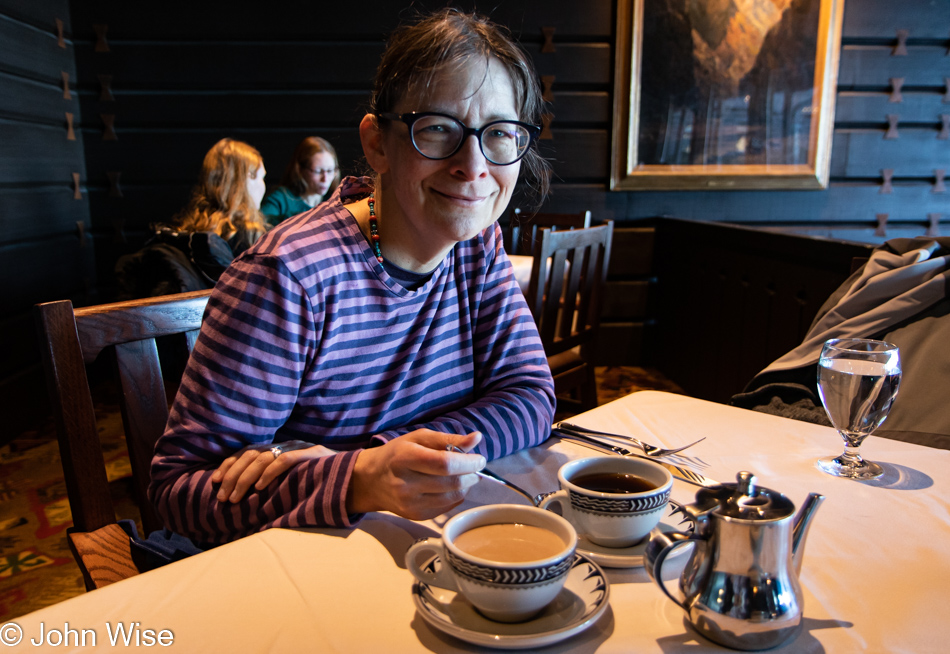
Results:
276 451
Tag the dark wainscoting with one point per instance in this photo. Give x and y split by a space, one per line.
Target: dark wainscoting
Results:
732 299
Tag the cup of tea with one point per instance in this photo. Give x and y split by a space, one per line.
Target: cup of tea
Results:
613 501
508 560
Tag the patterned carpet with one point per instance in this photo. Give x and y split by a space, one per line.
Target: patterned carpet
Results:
36 566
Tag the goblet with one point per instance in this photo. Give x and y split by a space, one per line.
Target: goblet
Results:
858 380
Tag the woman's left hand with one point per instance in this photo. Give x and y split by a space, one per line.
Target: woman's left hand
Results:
259 465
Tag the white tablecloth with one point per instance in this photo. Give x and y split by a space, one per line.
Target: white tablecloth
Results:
876 572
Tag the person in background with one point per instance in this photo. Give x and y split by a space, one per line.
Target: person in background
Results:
311 176
221 220
344 354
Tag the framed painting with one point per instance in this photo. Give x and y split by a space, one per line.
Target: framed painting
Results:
724 94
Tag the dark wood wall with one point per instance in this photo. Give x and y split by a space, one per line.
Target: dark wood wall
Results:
46 252
154 85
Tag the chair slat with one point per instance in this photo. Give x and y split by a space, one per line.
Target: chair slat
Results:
565 296
144 414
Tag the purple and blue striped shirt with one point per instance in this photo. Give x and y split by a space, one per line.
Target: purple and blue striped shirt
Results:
307 337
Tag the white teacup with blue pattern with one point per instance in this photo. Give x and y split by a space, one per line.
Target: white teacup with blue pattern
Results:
501 590
612 519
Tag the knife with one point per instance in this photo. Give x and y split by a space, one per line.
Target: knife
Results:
680 472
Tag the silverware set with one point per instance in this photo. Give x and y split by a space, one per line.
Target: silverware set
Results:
649 450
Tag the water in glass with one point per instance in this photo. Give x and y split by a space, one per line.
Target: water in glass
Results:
858 380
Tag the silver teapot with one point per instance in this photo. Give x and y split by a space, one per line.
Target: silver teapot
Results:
740 585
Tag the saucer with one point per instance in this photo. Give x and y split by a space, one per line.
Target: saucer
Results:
581 602
622 557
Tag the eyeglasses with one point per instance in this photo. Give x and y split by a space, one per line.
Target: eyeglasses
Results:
320 172
438 136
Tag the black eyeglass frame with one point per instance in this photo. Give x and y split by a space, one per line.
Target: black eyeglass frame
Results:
410 118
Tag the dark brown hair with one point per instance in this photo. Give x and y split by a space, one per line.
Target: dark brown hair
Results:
303 155
417 53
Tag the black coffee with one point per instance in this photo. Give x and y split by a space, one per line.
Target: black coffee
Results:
613 482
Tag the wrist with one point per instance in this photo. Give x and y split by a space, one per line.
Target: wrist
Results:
359 495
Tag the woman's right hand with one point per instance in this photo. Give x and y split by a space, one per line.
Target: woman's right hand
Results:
414 476
257 466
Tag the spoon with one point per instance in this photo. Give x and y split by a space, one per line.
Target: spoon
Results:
488 474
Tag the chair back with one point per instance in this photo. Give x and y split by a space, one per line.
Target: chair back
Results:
565 296
523 229
71 339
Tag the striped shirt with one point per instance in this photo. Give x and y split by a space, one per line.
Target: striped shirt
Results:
307 337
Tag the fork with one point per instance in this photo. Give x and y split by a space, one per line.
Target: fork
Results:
649 450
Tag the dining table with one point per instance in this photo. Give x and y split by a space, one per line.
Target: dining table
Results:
875 573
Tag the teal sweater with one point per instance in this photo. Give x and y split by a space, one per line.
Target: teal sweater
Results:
280 204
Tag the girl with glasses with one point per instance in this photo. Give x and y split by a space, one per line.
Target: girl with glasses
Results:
311 176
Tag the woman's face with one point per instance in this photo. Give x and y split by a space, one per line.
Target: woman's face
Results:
319 173
451 200
255 185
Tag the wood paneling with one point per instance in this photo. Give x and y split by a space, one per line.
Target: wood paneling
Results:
924 19
874 107
865 152
270 109
843 202
36 100
38 212
34 152
750 295
872 65
30 50
322 21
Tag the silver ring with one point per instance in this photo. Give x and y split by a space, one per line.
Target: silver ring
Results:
276 451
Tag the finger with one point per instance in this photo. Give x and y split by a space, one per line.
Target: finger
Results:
218 475
466 442
252 473
288 460
236 469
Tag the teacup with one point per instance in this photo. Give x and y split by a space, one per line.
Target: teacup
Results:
593 499
508 560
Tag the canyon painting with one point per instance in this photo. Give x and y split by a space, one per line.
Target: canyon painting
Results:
726 93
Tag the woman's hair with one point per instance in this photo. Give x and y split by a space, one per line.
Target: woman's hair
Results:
303 155
416 54
220 202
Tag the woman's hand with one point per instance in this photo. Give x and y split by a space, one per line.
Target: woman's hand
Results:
414 476
256 465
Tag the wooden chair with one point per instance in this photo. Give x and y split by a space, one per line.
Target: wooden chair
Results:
523 229
71 339
565 297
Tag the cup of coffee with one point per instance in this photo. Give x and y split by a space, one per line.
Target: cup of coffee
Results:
508 560
613 501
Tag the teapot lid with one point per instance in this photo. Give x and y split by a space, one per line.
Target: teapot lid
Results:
745 501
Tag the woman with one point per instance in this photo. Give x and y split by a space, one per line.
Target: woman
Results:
312 175
222 219
228 196
347 350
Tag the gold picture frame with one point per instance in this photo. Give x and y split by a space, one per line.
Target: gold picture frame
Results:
768 106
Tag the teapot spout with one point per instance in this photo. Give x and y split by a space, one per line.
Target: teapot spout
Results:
800 529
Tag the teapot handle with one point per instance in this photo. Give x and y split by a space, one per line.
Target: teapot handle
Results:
658 549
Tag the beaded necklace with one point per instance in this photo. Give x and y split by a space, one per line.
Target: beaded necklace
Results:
374 228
